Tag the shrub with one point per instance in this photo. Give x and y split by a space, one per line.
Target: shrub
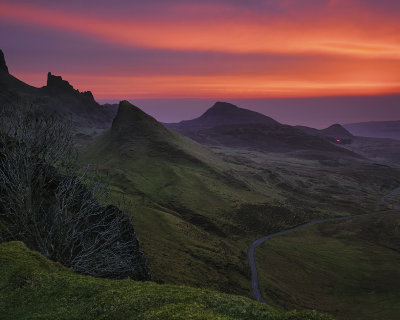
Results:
55 208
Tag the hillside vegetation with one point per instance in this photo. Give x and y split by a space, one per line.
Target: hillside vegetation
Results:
197 210
32 287
350 269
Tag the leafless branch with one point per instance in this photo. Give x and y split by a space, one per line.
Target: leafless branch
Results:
54 207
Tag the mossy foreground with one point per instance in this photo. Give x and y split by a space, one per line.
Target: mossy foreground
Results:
32 287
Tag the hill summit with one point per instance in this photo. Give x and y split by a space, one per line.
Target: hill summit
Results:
131 122
224 113
337 131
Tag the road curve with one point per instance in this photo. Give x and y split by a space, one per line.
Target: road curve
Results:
254 275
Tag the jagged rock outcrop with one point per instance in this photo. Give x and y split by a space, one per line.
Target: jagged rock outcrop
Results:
56 84
3 65
58 96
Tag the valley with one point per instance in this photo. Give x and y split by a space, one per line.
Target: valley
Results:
196 227
200 192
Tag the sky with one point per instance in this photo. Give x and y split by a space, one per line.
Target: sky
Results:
299 61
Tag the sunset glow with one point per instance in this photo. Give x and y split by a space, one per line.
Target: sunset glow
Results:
218 48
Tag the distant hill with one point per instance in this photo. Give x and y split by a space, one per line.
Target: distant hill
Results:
57 96
375 129
223 113
380 150
335 133
226 125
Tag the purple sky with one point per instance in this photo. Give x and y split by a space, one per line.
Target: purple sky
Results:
311 62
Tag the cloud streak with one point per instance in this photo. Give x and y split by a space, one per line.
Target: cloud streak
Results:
233 32
210 49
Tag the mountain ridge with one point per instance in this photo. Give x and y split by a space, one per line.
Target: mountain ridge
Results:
226 125
57 96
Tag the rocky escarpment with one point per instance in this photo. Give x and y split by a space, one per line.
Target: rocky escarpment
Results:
56 84
57 96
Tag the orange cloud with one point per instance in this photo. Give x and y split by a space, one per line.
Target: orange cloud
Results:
346 54
215 86
247 33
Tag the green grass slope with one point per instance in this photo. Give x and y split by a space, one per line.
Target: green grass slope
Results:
196 211
181 199
350 269
141 154
32 287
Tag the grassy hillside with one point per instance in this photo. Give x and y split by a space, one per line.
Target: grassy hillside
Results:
196 211
350 269
32 287
180 201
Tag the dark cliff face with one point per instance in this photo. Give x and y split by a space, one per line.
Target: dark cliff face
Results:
3 66
56 84
57 96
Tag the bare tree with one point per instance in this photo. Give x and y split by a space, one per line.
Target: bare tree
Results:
55 208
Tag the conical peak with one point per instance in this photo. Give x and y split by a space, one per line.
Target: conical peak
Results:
337 130
224 113
132 121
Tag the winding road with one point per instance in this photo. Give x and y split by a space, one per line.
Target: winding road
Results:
254 275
